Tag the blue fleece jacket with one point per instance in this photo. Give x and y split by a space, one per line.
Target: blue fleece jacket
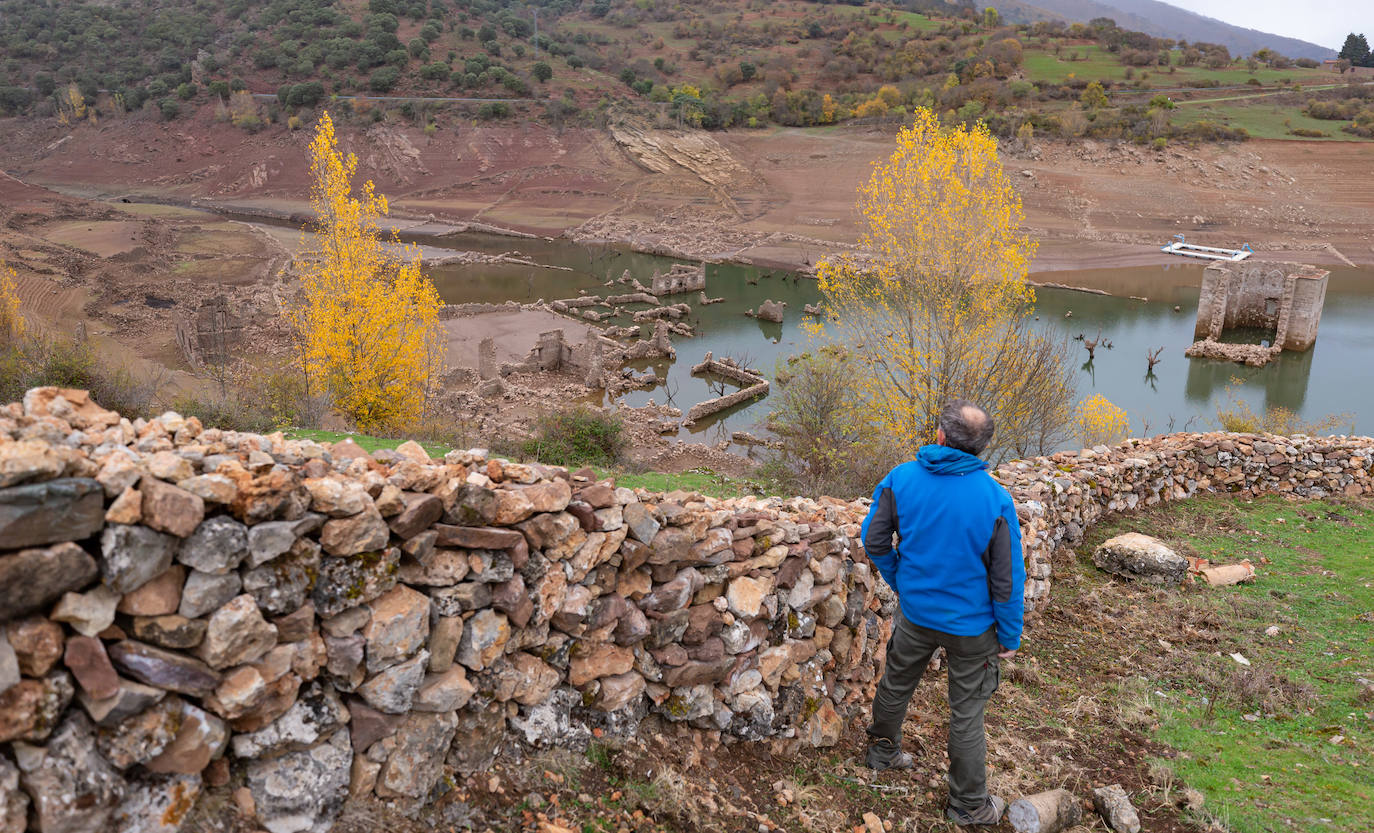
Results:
957 566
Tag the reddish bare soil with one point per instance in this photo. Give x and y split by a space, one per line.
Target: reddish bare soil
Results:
780 195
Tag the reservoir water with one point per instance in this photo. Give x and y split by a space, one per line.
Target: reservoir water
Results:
1335 377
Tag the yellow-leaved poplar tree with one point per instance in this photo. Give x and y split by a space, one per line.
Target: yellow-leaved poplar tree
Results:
11 322
936 303
1101 422
368 321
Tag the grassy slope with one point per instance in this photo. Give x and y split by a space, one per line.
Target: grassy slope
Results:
1282 744
1263 121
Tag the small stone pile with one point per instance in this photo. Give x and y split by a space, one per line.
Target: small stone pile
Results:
179 604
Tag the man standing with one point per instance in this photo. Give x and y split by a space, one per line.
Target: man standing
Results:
958 574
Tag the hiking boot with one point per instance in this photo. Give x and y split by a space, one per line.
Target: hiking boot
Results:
989 814
884 754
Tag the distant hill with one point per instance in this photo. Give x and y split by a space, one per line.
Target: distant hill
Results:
1161 20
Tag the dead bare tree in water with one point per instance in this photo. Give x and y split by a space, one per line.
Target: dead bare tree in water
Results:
1091 343
1152 356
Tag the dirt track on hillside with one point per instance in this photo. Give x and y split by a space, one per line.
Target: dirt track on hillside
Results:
777 196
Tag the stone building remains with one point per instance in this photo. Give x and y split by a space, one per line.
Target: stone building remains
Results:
1284 297
681 278
210 334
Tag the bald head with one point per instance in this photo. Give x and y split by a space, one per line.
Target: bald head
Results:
966 426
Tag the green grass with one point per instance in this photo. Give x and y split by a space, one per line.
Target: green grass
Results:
367 442
1263 121
704 481
1289 749
1042 65
697 480
1097 65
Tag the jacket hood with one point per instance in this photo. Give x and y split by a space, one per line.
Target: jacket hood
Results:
939 459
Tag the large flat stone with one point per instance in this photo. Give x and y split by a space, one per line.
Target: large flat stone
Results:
31 579
164 669
474 537
68 509
1141 558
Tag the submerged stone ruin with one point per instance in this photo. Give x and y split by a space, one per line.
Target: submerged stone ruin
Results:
681 278
1284 297
752 382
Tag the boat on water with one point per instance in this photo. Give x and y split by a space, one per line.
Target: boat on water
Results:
1185 249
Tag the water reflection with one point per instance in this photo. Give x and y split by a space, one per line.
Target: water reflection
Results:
1174 392
1281 383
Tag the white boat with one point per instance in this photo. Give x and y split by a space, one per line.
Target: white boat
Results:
1185 249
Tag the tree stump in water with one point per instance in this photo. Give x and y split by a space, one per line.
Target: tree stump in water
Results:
1046 812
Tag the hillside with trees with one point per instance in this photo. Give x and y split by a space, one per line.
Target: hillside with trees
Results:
714 65
1162 20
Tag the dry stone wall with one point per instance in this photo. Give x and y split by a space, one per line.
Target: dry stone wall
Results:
179 604
1059 497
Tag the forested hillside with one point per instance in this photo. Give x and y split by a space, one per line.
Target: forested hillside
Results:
714 64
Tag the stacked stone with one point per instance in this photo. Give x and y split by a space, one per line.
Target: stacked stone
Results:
1061 496
177 600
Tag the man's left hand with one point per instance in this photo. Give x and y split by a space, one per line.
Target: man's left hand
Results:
1007 654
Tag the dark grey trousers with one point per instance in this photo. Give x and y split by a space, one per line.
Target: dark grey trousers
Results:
973 677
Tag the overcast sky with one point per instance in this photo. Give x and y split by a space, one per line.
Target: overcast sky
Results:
1324 22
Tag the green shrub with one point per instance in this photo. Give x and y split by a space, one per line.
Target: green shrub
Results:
37 362
1307 133
382 80
494 110
577 436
